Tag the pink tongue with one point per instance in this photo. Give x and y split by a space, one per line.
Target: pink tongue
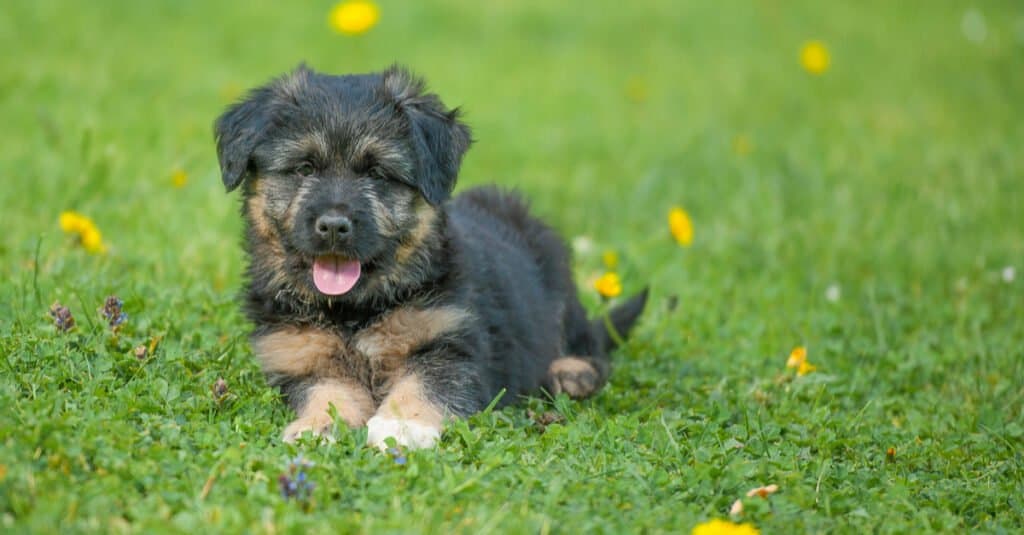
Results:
334 276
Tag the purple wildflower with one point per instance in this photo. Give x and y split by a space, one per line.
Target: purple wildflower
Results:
219 390
112 312
295 483
62 317
288 487
398 455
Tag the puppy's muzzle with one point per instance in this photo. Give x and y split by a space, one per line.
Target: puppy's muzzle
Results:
334 227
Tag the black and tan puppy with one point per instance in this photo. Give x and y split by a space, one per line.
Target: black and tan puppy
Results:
373 292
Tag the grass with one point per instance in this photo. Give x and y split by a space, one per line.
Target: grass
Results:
896 177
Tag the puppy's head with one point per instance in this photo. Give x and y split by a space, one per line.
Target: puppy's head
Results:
342 176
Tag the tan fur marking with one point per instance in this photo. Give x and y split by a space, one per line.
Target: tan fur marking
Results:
407 401
384 151
352 401
294 206
315 142
574 376
256 206
370 146
297 351
312 144
268 252
425 216
389 342
380 215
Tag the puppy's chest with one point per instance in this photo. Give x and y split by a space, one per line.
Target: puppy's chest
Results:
372 355
378 352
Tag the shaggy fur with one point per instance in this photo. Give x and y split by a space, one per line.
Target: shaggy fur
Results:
458 299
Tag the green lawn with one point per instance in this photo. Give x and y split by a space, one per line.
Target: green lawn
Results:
895 180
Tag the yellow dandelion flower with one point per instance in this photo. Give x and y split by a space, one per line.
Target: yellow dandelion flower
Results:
179 178
608 285
610 259
797 357
70 222
88 235
814 57
353 17
724 527
680 226
92 240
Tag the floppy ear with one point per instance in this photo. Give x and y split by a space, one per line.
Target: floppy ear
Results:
238 131
439 139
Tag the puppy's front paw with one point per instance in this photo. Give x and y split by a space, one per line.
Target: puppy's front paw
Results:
319 425
574 376
409 433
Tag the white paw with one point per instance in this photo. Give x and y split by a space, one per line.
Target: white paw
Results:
408 433
321 427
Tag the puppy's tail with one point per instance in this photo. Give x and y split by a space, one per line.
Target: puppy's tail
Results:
612 329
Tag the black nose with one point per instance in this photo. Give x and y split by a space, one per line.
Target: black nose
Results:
333 226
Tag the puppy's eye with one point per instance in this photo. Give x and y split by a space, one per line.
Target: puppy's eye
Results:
367 166
304 169
376 172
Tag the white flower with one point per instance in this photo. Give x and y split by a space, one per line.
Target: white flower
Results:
582 245
1009 273
833 293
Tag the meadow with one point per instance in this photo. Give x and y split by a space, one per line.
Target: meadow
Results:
869 209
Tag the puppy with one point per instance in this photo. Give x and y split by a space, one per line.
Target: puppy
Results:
375 293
